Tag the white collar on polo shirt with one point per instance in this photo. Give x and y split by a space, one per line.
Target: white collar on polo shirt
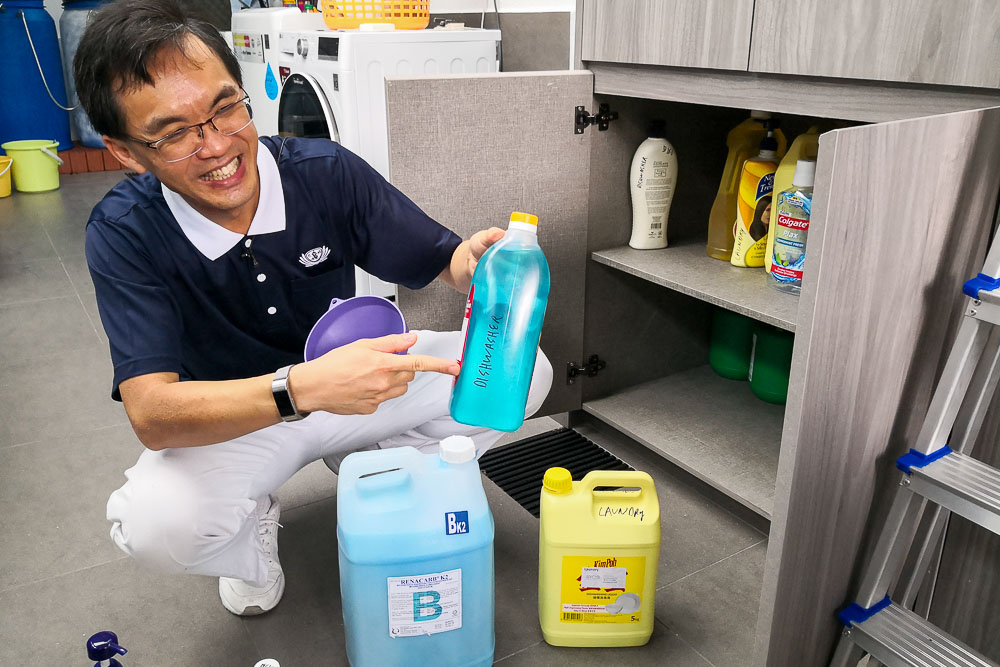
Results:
214 240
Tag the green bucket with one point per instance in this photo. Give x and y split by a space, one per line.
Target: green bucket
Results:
36 164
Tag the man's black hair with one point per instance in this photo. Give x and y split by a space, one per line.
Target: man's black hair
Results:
119 45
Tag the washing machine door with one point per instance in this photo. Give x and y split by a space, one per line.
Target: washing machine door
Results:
304 111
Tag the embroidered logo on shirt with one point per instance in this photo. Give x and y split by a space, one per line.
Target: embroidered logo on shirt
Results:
314 256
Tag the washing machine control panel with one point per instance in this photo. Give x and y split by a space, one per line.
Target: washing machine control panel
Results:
329 48
302 47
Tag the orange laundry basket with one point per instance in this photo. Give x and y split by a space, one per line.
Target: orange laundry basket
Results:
404 14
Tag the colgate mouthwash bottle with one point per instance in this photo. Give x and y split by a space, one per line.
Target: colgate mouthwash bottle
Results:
792 229
503 321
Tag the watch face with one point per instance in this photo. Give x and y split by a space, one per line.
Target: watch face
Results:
282 399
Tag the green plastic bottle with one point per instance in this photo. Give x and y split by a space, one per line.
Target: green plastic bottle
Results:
731 344
771 363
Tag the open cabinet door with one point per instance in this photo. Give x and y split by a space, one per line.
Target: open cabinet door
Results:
901 218
469 150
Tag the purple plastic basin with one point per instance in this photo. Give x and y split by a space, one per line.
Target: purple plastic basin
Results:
352 319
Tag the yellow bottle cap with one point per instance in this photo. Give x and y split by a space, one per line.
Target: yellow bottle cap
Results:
558 480
517 216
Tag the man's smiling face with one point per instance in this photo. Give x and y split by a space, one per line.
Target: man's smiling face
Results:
220 181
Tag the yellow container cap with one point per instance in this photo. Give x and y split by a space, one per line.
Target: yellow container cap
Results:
558 480
517 216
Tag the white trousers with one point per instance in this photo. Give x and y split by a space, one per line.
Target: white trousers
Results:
195 509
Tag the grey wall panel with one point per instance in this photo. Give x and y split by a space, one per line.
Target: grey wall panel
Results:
893 236
471 149
532 42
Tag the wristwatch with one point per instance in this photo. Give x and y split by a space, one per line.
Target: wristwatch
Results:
283 397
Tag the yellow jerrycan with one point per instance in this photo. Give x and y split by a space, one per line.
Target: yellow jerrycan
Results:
599 550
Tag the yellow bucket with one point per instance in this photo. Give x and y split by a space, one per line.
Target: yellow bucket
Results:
36 164
5 163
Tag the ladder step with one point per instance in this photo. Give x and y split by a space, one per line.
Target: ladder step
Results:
988 309
963 485
900 638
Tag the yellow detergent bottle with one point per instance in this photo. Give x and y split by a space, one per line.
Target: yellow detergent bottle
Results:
599 549
805 147
743 142
753 210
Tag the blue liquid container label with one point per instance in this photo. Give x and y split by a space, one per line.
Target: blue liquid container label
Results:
456 523
481 356
425 604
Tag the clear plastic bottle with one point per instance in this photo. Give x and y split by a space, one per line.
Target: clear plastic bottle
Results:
792 229
503 322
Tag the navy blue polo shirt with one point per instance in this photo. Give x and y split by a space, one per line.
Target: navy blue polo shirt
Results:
172 301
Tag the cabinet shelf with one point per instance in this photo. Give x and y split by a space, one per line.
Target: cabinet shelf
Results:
713 428
848 99
687 269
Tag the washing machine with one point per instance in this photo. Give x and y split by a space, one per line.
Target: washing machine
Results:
333 86
254 38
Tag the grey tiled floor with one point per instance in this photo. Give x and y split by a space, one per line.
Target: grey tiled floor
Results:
64 445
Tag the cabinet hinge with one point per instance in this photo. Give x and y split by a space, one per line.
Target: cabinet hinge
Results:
593 366
603 118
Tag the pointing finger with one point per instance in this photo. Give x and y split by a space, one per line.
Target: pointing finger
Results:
423 362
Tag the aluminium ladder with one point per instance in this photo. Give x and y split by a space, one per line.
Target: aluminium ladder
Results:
943 477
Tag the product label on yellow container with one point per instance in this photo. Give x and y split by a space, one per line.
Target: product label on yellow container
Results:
753 213
602 589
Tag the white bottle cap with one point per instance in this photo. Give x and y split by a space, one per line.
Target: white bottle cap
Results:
457 449
267 662
805 173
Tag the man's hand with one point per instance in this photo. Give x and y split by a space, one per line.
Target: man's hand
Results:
459 272
355 379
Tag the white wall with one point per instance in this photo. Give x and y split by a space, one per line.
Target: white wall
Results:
54 7
466 6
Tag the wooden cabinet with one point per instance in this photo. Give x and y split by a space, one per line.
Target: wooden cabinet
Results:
900 218
913 41
681 33
920 41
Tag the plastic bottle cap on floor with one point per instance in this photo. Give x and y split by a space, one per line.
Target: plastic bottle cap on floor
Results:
267 662
457 449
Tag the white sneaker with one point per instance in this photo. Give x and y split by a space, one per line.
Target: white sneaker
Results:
241 598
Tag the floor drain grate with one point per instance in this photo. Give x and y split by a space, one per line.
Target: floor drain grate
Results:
518 468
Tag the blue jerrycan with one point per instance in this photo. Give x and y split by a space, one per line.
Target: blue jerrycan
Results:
415 537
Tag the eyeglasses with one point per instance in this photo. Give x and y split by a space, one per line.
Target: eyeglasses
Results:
185 142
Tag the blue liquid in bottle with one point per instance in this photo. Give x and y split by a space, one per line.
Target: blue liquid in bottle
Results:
503 322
